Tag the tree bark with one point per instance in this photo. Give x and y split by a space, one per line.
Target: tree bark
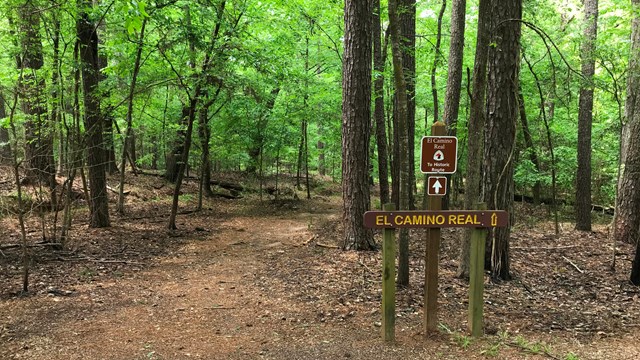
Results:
356 120
407 21
378 113
476 128
403 139
454 73
88 41
454 76
502 115
434 93
585 117
626 224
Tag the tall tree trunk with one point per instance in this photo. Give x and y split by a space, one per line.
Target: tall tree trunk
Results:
502 116
356 121
188 114
476 128
56 103
381 135
38 130
407 21
403 137
454 73
585 117
454 76
88 41
436 62
626 225
434 93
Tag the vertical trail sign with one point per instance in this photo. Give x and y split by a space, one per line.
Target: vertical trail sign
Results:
439 155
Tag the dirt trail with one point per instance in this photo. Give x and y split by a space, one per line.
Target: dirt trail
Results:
250 283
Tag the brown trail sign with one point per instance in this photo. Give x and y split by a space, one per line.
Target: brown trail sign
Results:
439 154
436 219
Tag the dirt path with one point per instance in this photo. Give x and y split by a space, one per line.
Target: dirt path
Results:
250 283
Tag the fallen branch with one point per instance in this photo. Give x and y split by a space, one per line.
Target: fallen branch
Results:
543 247
219 308
574 265
100 261
327 246
364 265
308 240
14 246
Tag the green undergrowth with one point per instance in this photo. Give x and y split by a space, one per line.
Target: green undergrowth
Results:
494 346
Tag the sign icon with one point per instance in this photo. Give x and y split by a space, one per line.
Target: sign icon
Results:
437 185
439 154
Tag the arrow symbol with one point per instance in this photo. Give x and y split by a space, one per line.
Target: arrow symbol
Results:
494 219
437 186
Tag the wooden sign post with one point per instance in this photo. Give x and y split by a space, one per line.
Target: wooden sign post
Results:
389 220
432 155
476 278
438 156
389 282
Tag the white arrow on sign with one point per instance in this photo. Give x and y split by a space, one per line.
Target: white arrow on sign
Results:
437 186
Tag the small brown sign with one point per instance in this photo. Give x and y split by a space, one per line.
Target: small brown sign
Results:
436 219
439 154
437 185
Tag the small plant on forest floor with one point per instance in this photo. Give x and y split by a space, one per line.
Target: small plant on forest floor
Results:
150 353
571 356
185 197
462 340
519 342
86 272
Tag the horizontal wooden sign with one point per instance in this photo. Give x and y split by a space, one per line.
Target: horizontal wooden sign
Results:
436 219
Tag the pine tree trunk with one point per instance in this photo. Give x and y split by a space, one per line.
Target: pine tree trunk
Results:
381 135
404 179
502 115
454 76
626 225
585 117
476 128
407 20
88 40
356 120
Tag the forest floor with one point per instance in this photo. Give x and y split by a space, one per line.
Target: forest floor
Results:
252 279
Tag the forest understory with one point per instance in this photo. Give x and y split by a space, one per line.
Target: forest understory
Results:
265 279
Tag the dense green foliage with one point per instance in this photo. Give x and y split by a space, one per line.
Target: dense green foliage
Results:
296 47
